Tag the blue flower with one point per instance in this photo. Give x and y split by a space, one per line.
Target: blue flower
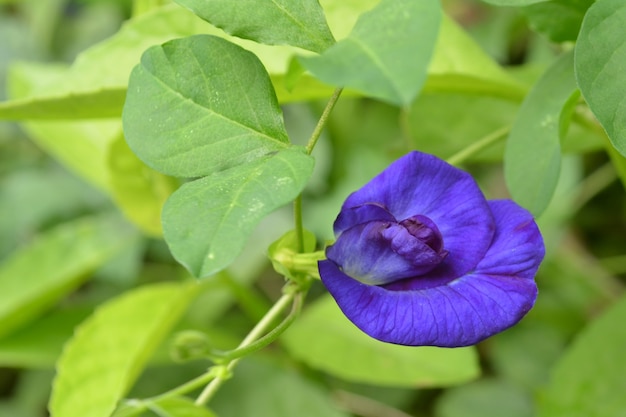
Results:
423 259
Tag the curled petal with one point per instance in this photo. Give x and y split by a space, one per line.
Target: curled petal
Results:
495 296
379 252
422 184
353 216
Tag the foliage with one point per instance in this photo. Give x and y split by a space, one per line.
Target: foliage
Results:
150 150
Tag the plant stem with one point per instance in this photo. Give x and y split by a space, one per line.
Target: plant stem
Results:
297 204
483 143
297 216
593 184
268 338
187 386
323 119
254 334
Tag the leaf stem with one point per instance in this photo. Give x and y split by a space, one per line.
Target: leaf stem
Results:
482 143
254 334
188 386
322 121
297 216
297 204
593 184
268 338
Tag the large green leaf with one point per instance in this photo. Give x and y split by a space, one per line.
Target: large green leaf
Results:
532 158
274 22
589 380
81 145
342 15
138 190
206 222
100 103
201 104
36 276
460 65
569 14
600 56
109 350
388 64
344 351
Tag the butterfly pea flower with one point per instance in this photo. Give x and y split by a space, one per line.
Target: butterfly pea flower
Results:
421 258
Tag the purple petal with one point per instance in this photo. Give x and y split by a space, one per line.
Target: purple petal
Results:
380 252
425 230
495 296
422 184
353 216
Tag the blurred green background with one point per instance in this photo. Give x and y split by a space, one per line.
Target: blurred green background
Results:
584 228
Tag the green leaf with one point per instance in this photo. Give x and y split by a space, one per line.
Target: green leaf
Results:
459 65
569 14
201 104
100 103
306 88
388 64
532 157
35 277
81 146
274 22
600 56
342 15
367 360
207 222
137 189
38 344
109 350
588 381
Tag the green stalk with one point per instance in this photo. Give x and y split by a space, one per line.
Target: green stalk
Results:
297 204
483 143
322 121
254 334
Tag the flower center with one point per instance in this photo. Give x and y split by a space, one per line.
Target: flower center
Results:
380 252
425 230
